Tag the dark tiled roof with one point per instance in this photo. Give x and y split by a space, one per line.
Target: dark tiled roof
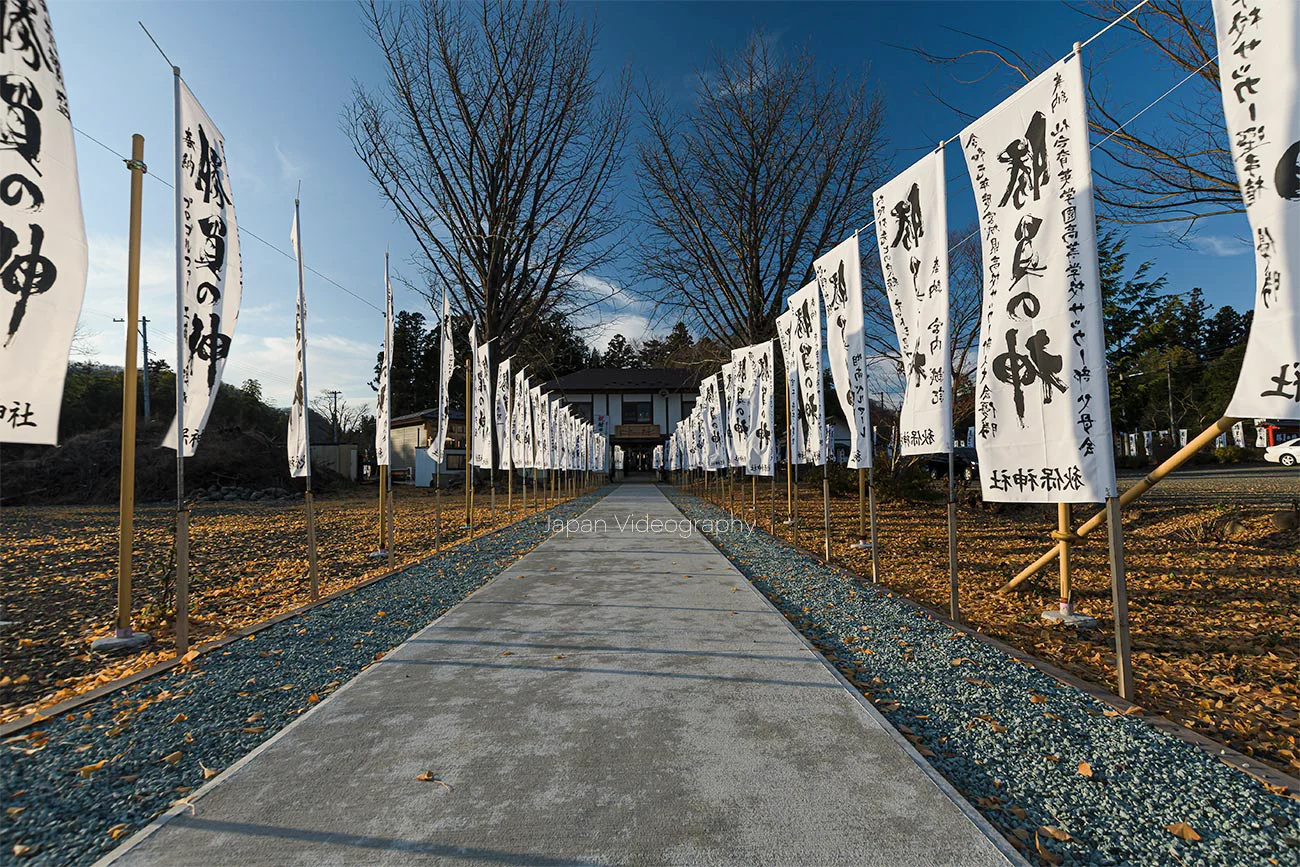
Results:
423 416
614 379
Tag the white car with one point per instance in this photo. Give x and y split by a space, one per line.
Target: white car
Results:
1287 454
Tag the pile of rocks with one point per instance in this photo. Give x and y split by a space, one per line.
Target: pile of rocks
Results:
236 492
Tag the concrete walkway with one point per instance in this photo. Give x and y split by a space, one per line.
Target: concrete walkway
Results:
620 696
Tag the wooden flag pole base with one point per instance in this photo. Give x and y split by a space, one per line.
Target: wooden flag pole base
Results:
826 510
1119 598
182 581
392 512
954 610
313 578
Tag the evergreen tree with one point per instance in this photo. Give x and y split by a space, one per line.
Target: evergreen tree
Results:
619 353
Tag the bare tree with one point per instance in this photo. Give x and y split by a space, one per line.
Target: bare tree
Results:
346 419
770 168
496 143
965 291
1177 171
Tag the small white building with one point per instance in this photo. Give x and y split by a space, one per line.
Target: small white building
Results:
638 409
408 458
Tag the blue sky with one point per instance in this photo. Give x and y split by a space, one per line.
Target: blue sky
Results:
275 76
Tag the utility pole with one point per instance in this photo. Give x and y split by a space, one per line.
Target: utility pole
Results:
1169 377
334 414
144 333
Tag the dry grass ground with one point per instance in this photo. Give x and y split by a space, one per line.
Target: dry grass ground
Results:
1214 621
248 563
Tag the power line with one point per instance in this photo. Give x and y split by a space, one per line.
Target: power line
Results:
242 229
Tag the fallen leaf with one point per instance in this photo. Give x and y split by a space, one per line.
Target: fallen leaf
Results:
1183 831
313 698
20 850
189 657
252 718
14 812
172 758
87 770
118 831
253 730
180 717
208 773
1046 854
1038 699
1055 833
1085 769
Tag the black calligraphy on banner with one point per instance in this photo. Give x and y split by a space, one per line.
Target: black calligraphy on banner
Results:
807 340
1042 404
210 266
761 445
42 234
839 278
1257 58
911 225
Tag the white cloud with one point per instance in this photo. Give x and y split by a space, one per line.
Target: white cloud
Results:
334 362
1218 245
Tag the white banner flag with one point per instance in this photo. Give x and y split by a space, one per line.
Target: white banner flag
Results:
715 447
519 422
806 304
384 400
446 365
912 233
726 386
1042 406
762 442
1259 65
503 415
839 278
739 406
1239 434
535 428
299 435
42 233
211 267
481 447
785 334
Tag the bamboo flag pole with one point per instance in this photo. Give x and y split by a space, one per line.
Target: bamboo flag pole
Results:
871 506
469 442
1119 598
1181 457
383 513
954 611
862 508
826 505
313 580
392 512
182 588
126 498
1064 536
510 470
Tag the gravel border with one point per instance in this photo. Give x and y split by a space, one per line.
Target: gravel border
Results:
1011 738
109 767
